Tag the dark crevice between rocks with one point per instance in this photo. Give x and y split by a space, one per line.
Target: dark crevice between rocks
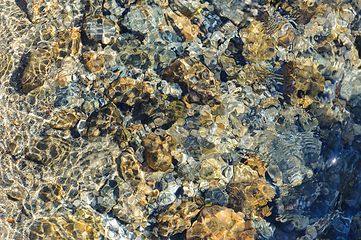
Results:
15 80
358 45
236 48
89 42
83 37
179 236
176 29
24 7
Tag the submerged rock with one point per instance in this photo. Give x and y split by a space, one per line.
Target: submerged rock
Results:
83 224
248 191
145 115
157 151
68 44
35 73
202 86
221 223
65 119
105 122
177 217
48 150
129 91
50 192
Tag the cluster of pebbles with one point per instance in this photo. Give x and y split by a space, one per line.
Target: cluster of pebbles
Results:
180 119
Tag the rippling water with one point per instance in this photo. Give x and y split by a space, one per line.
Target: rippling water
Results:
173 119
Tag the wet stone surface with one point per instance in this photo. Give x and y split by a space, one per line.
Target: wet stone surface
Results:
174 119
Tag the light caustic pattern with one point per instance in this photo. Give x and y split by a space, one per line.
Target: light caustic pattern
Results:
126 119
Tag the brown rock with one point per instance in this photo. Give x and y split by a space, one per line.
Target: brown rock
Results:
83 224
132 207
184 24
51 192
258 45
157 151
287 39
129 91
68 44
95 62
268 102
177 217
129 169
106 122
302 82
202 86
48 150
247 190
37 69
221 223
65 119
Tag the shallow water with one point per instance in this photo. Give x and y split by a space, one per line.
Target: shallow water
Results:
126 119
